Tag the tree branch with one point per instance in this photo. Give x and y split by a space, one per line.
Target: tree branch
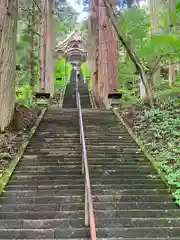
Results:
36 33
25 9
156 66
35 3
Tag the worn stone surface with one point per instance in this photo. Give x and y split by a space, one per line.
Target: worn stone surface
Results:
45 196
130 199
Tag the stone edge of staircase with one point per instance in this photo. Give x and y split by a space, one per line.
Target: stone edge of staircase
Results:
10 169
92 100
152 160
62 96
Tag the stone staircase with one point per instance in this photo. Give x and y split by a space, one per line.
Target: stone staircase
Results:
70 93
69 100
45 196
130 200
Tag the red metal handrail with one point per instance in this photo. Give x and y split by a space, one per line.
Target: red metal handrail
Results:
89 211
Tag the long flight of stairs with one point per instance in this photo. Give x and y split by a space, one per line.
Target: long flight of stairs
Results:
45 196
130 200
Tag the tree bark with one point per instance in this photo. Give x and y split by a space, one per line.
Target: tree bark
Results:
134 58
172 26
32 49
41 54
8 30
49 77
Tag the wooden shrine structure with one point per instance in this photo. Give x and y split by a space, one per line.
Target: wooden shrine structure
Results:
73 49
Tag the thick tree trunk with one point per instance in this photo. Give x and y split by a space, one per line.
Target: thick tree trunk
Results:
8 30
93 44
155 10
41 55
146 79
172 26
32 49
49 77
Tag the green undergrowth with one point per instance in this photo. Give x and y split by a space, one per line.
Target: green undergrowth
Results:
159 130
62 71
24 96
85 72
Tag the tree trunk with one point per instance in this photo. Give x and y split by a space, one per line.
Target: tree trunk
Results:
32 49
146 79
172 73
155 10
41 55
172 26
8 30
49 77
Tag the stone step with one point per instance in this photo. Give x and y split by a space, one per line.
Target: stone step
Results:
42 199
41 207
42 223
46 177
75 163
100 223
138 214
77 167
76 186
51 148
57 144
45 233
96 177
79 198
133 198
39 193
80 180
42 215
53 153
28 157
78 192
138 232
77 171
126 233
79 206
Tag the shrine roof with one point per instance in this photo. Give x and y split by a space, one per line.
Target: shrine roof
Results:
73 36
75 50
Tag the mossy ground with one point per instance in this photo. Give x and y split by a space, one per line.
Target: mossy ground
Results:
159 130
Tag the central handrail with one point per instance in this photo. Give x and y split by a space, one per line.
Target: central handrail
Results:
89 211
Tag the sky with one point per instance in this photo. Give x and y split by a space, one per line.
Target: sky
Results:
79 9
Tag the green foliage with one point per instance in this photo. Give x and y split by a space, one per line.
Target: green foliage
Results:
85 72
164 45
65 19
62 71
24 96
159 128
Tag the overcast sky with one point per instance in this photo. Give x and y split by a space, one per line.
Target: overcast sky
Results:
78 8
